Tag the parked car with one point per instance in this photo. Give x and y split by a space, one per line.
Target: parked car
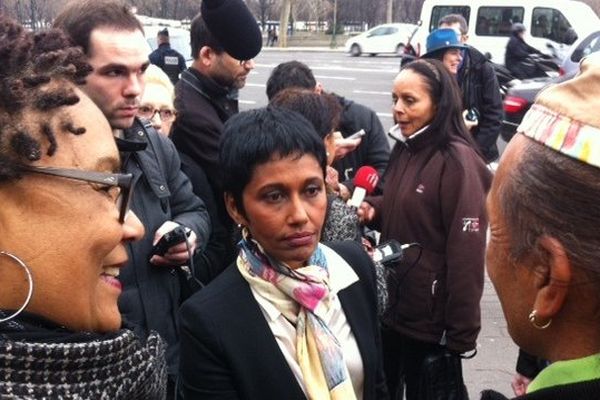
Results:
583 47
517 102
386 38
179 39
522 94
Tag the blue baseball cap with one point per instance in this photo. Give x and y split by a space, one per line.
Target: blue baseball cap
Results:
441 39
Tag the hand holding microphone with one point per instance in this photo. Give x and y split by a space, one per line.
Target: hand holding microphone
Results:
365 181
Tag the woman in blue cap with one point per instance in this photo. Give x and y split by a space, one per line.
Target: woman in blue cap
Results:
444 45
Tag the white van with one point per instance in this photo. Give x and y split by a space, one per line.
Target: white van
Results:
548 22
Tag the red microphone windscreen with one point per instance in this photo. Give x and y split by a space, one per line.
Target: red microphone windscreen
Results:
366 177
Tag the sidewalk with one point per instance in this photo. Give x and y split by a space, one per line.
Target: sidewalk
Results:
494 364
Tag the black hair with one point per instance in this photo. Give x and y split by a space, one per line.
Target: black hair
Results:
444 91
200 36
322 110
255 137
452 19
35 70
81 17
290 74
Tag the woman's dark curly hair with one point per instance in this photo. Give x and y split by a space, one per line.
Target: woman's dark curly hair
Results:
35 72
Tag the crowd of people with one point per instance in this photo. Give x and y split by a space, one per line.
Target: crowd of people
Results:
160 244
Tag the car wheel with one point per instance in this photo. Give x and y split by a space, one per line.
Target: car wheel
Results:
400 50
355 50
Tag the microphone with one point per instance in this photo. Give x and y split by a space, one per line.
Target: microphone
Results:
365 180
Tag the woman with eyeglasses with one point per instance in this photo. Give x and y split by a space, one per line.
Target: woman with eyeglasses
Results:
290 318
65 222
156 104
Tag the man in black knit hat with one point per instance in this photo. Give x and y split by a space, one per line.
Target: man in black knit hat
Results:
224 38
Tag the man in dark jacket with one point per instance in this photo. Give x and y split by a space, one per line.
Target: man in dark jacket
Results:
517 52
224 40
162 198
168 59
373 149
481 92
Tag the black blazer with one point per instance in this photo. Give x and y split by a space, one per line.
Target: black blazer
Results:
229 352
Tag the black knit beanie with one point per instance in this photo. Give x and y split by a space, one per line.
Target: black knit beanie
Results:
233 26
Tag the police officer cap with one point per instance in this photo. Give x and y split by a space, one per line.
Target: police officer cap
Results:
234 26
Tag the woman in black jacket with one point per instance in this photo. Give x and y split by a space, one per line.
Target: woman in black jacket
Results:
291 318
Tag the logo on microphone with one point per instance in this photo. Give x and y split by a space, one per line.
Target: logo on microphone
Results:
373 178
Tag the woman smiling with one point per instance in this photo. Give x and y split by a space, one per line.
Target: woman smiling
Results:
65 221
292 318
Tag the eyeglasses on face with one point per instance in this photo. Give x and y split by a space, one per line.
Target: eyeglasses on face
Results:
149 113
123 181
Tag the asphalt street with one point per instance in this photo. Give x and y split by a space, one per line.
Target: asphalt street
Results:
368 80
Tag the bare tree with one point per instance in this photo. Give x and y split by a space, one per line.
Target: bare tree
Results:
408 10
389 11
284 17
264 9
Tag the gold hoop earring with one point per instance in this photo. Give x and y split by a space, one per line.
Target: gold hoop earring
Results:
29 280
532 320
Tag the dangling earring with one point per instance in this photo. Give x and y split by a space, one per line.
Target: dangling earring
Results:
29 280
532 320
245 232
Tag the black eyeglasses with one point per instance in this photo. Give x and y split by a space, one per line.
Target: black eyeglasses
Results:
123 181
149 113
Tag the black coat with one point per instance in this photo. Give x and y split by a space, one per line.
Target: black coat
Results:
229 351
202 107
481 90
220 249
374 149
151 294
518 51
169 60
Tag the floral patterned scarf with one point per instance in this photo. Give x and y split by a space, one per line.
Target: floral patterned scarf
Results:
302 296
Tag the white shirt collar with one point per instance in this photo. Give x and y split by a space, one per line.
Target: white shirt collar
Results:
396 133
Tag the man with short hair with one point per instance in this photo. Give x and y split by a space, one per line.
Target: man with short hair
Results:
168 59
224 39
373 149
480 89
113 41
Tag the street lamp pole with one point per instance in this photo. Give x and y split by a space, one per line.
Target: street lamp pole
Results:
333 33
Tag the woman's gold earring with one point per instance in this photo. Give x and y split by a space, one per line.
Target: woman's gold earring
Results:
536 325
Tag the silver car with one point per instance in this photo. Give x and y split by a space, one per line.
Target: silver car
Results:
581 48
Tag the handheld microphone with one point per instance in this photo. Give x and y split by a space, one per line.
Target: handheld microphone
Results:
365 180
